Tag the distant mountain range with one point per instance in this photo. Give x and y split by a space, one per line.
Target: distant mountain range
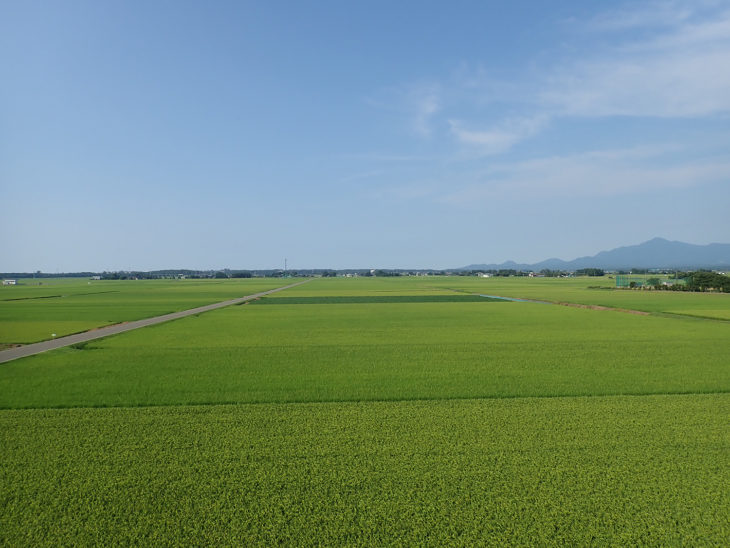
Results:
656 253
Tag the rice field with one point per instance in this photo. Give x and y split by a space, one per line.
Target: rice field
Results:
649 470
379 411
35 310
595 291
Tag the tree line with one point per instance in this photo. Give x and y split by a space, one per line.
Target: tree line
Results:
701 281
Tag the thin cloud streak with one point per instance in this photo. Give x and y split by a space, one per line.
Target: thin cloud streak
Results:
501 138
678 67
652 15
416 103
425 103
681 73
597 173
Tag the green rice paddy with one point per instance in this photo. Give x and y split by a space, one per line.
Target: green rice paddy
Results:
648 470
376 411
596 291
36 309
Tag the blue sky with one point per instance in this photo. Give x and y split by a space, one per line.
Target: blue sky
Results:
146 135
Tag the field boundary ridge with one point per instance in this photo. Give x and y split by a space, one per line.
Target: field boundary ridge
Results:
232 403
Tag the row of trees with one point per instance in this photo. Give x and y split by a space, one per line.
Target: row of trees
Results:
589 272
700 280
548 273
705 281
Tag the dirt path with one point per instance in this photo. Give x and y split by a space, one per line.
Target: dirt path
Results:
599 307
98 333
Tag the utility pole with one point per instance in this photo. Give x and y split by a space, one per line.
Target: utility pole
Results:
285 266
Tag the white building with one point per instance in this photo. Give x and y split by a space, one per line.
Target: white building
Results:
9 282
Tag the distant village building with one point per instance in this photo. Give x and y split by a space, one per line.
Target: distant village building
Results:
485 275
10 282
96 277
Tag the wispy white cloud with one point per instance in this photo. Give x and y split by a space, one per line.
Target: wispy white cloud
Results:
651 14
424 103
500 138
385 158
416 103
657 59
596 173
701 34
373 173
679 86
406 192
681 70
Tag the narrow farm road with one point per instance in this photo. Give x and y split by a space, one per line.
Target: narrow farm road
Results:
37 348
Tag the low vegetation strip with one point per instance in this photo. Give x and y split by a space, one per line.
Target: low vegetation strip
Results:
599 307
575 471
377 299
575 305
716 315
33 298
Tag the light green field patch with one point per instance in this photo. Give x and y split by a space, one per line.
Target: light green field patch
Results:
22 332
590 291
720 314
393 351
621 471
367 286
32 312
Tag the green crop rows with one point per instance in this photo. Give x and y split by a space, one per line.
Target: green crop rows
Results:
379 411
596 291
36 309
324 352
521 471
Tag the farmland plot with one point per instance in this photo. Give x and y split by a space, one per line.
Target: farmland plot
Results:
606 471
36 310
373 412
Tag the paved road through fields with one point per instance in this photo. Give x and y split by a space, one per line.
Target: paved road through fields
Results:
37 348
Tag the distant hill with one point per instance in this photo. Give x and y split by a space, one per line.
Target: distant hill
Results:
656 253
